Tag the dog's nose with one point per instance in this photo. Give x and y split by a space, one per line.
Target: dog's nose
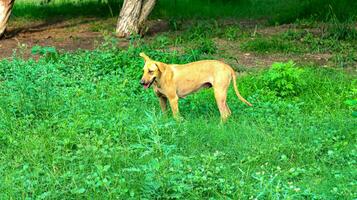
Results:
142 82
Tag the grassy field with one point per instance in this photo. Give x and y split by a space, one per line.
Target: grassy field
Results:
78 125
276 11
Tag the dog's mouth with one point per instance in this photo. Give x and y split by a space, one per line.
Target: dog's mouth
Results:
147 85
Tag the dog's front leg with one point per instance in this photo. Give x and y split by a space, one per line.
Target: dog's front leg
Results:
174 107
163 103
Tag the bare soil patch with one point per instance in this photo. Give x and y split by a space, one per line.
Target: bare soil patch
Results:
231 50
64 35
87 33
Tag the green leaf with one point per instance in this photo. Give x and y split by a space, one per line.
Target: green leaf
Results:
354 113
351 102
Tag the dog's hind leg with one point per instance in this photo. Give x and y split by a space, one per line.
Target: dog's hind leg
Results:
229 110
220 93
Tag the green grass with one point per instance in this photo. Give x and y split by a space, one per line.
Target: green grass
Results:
78 125
275 11
335 38
268 45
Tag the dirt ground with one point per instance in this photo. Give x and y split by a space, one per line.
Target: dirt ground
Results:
87 33
66 35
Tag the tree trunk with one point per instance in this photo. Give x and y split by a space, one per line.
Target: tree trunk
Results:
132 16
5 11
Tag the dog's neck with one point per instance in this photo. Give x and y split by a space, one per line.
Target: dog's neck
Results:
157 82
157 87
165 74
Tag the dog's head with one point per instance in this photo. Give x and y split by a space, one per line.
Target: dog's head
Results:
152 70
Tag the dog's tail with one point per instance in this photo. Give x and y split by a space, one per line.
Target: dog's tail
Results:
236 90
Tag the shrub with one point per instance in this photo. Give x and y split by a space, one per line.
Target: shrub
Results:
284 79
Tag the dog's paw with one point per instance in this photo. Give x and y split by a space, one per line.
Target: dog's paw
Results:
179 118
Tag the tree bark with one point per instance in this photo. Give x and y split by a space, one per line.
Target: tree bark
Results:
132 16
5 11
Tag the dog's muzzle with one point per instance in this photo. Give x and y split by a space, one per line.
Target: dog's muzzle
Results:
146 85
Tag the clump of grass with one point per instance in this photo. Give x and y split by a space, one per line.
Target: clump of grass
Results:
231 33
265 45
175 24
297 41
340 30
345 59
294 34
162 41
206 46
200 30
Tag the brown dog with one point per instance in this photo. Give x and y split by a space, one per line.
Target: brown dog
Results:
173 81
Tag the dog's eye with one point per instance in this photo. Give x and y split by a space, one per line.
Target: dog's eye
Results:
151 72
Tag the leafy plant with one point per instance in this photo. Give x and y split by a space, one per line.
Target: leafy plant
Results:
284 79
352 103
47 51
352 100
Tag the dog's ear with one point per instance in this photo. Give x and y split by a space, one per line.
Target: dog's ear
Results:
161 66
143 55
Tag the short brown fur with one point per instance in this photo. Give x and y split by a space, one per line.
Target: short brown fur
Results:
173 81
